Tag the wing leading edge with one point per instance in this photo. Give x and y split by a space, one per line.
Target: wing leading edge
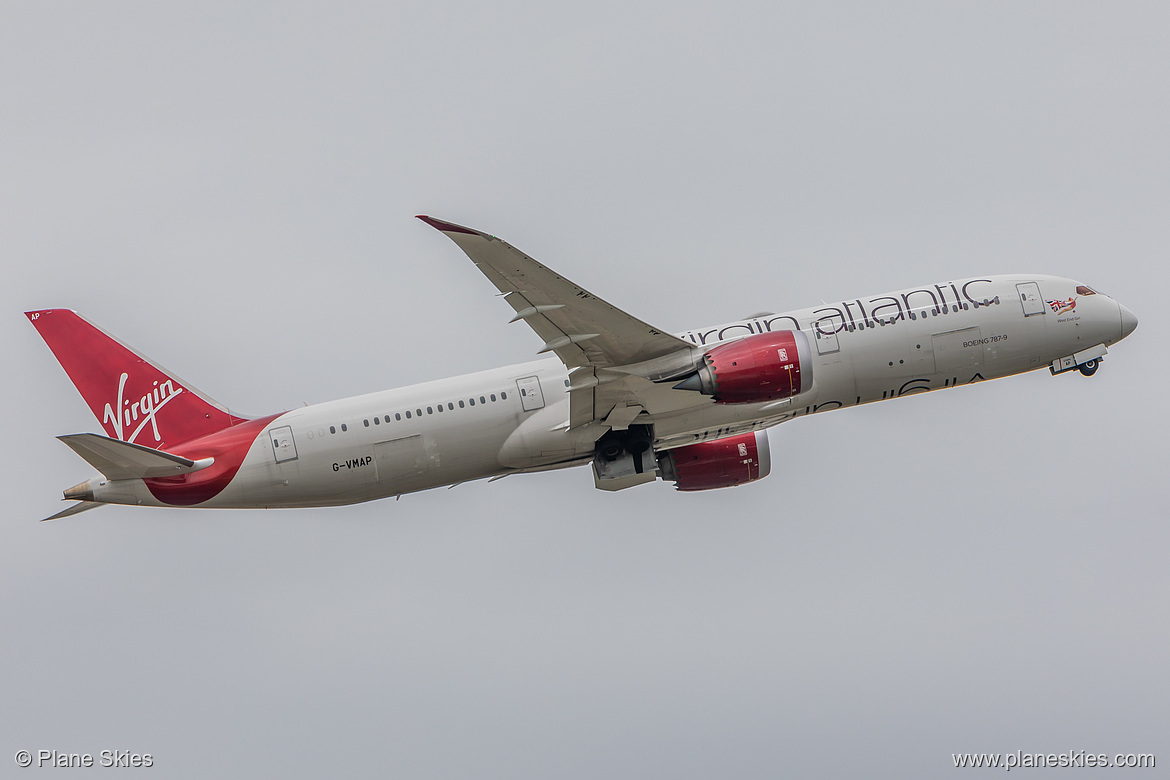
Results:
580 328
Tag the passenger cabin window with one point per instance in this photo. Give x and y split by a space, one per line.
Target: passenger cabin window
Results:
332 429
344 428
461 405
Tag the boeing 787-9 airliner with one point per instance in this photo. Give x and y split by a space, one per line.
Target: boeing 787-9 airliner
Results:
635 402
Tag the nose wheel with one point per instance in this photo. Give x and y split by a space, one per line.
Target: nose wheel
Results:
1087 361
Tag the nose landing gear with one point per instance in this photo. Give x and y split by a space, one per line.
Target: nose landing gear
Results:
1086 361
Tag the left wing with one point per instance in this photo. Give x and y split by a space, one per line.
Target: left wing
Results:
614 359
582 329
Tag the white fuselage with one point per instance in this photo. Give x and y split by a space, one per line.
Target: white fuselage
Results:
516 417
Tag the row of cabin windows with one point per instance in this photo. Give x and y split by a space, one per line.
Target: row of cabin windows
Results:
438 407
935 312
490 398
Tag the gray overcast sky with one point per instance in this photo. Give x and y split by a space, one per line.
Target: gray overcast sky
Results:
230 188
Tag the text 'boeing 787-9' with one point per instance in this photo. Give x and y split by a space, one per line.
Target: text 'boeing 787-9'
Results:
632 400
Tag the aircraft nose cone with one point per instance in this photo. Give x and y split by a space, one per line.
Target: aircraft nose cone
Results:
1128 321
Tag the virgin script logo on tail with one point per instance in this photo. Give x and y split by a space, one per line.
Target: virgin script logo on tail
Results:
123 414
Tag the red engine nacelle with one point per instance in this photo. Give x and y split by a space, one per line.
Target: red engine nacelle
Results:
728 462
756 369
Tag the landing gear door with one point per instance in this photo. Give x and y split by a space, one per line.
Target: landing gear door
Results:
283 446
531 398
1030 298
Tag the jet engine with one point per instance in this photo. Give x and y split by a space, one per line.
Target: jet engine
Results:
756 369
728 462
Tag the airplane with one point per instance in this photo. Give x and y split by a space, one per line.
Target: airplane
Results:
635 402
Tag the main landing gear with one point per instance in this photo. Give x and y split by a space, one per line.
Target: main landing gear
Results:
625 458
1089 367
635 440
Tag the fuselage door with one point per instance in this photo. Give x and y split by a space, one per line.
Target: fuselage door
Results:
1030 298
530 396
283 446
825 335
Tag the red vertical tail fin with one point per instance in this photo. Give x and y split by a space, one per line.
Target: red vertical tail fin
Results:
134 399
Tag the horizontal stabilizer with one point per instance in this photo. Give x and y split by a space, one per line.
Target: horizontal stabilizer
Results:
77 508
123 460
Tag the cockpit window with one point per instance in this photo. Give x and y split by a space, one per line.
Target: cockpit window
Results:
1083 290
